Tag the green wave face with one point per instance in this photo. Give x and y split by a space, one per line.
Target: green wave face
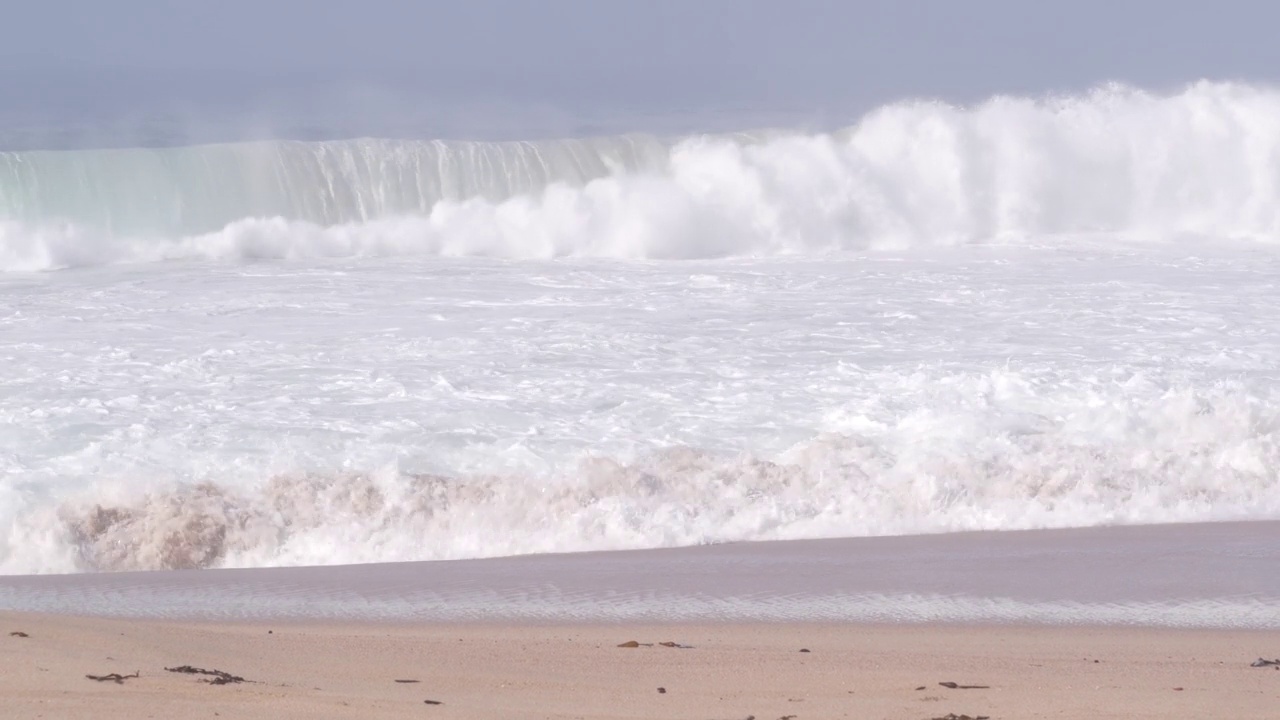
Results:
188 190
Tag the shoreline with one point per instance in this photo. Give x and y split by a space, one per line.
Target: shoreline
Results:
1215 575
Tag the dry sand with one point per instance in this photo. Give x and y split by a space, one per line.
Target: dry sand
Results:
337 670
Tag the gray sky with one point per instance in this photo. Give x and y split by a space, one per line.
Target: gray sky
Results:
575 60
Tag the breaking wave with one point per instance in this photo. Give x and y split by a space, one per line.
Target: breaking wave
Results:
1202 163
1187 456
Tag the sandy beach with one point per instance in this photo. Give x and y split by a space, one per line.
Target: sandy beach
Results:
1144 622
730 672
726 360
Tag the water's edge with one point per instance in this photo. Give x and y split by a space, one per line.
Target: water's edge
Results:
1208 575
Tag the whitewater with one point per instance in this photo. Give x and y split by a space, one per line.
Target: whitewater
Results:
1026 313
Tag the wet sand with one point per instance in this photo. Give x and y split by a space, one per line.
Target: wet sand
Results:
1220 575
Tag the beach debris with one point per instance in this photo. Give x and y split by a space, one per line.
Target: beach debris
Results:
116 678
1178 689
408 681
217 677
667 644
432 702
920 688
1263 662
662 691
18 633
805 650
957 686
953 716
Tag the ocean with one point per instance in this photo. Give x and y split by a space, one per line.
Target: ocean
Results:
1052 312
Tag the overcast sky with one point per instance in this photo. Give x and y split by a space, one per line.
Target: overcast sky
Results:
579 57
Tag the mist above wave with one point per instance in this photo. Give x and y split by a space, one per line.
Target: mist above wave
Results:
1203 163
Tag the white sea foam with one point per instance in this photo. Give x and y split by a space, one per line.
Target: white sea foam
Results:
300 413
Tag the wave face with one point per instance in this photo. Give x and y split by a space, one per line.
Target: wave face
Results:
173 191
1201 163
